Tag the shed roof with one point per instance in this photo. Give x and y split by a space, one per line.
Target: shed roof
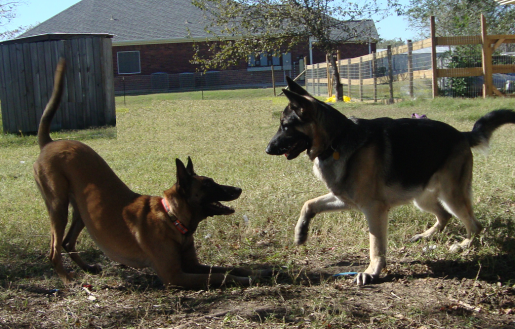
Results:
55 36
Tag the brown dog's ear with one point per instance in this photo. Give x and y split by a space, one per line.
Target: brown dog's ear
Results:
296 88
189 167
183 176
302 105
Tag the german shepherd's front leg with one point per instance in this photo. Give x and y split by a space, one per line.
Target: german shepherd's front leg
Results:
311 208
377 218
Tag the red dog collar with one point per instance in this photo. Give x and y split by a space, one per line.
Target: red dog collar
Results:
181 228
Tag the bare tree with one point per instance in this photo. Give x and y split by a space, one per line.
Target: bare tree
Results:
246 27
460 17
7 13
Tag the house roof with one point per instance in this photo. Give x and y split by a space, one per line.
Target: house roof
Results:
135 22
505 2
130 21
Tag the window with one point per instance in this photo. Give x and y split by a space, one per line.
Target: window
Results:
264 60
128 62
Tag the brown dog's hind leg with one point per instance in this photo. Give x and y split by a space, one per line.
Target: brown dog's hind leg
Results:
58 211
70 241
54 189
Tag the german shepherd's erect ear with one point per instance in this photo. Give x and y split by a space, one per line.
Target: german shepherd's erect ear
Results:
296 88
303 105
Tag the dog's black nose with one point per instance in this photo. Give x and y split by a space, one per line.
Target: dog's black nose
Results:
270 150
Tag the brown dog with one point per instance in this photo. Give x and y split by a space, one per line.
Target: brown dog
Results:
132 229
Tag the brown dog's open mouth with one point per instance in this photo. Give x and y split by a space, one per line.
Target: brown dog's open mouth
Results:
216 208
297 148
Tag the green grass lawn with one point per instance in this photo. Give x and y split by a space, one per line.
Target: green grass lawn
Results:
226 134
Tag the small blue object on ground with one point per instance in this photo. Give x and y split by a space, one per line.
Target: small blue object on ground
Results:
346 274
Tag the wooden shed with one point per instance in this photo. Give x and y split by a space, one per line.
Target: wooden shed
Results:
27 68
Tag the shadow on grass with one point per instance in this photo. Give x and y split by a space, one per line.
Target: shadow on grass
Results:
491 269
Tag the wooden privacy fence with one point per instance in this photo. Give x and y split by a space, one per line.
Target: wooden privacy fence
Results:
409 69
27 69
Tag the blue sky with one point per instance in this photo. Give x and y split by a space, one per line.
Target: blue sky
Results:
31 12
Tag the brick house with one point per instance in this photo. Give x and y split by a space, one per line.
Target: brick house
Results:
153 44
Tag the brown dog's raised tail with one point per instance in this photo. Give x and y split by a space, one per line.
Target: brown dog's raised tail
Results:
52 106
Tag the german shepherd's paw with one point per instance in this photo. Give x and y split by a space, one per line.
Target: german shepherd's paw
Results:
457 247
301 234
363 278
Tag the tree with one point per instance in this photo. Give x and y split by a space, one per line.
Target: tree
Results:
383 43
7 13
246 27
460 17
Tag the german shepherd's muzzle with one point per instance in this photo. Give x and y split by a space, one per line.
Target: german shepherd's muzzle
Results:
374 165
288 141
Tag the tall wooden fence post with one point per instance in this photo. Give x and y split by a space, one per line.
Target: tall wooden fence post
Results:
348 78
328 74
390 72
433 57
306 74
374 74
273 80
487 60
318 79
360 79
339 65
410 69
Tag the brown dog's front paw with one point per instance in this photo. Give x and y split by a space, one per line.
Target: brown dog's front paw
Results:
263 273
93 269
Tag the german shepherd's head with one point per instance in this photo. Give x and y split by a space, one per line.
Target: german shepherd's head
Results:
198 197
307 124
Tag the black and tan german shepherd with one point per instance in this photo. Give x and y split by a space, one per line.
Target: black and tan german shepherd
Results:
374 165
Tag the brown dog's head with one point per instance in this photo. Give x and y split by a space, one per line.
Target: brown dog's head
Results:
196 197
303 126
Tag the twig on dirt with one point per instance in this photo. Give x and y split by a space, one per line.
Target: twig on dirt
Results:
209 316
477 275
465 305
394 295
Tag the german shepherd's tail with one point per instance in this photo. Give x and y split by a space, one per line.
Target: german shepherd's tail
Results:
52 106
479 137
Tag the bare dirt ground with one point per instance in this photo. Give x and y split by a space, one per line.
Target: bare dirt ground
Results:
411 294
